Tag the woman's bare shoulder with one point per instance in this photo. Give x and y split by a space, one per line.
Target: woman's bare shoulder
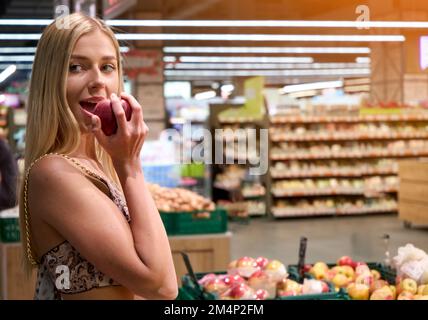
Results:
51 170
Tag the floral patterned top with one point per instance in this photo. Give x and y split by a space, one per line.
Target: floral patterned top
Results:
63 270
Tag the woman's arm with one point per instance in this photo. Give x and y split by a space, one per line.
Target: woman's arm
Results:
150 239
124 147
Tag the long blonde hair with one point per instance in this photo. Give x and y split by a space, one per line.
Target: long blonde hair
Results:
51 126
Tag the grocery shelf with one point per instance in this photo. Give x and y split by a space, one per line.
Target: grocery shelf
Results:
329 192
347 155
330 174
346 137
346 119
305 212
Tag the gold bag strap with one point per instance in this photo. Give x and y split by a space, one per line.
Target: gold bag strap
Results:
30 255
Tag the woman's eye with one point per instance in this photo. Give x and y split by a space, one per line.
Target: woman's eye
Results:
75 68
109 67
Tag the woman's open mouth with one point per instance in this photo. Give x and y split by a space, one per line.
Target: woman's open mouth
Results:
88 106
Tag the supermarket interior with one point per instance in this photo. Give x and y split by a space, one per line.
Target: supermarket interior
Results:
288 144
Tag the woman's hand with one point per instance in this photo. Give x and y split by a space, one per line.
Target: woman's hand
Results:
125 145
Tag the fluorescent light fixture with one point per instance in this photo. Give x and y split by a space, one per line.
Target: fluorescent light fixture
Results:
205 95
269 23
341 50
17 58
259 37
312 86
227 87
7 72
202 66
267 73
362 60
230 37
18 50
19 66
25 22
240 59
20 36
237 23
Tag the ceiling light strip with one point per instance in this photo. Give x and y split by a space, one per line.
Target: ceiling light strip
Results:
237 23
231 37
344 50
321 72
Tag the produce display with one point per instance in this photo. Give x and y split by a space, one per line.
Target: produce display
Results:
364 283
179 200
258 279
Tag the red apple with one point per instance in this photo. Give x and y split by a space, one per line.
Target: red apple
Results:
104 110
242 292
231 280
345 261
262 262
215 285
307 267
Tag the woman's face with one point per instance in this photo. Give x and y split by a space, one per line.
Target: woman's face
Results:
92 76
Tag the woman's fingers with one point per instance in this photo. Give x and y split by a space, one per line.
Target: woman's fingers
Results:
118 111
96 129
137 110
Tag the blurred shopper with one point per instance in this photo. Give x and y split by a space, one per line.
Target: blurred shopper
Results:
89 222
8 176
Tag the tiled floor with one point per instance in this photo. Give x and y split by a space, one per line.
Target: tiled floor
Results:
328 238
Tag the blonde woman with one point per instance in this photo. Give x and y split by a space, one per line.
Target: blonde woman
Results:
88 221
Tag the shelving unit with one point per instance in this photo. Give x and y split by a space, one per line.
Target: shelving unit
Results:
341 165
230 179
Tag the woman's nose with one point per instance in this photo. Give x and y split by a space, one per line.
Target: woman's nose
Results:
97 80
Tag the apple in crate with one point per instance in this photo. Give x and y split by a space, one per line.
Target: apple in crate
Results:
216 286
241 292
288 287
423 290
362 269
378 284
365 278
407 284
231 280
384 293
260 280
376 274
276 270
262 262
319 270
340 280
358 291
245 267
345 261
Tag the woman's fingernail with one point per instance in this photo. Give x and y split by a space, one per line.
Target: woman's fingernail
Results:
113 95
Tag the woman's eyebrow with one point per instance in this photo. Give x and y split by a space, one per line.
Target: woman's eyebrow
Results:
77 56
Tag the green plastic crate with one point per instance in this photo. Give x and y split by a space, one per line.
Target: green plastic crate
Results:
9 225
184 223
190 288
